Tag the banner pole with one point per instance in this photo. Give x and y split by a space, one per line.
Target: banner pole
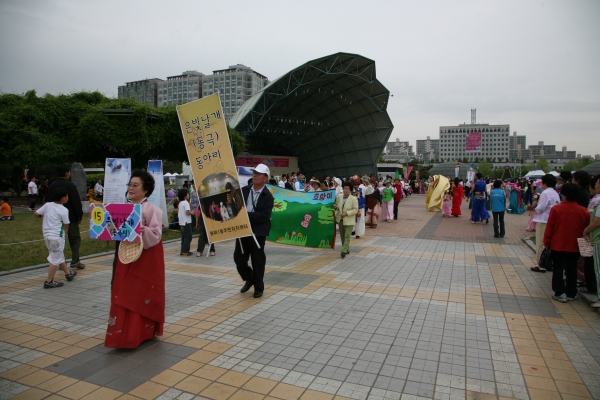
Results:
256 241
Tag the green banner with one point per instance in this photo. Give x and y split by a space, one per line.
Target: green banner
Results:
302 218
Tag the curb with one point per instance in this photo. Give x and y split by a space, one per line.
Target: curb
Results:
38 266
529 243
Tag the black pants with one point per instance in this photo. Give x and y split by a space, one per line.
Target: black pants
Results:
498 216
186 237
567 262
258 257
396 209
590 274
74 241
203 239
32 201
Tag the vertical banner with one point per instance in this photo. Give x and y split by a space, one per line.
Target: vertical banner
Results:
456 170
303 218
155 168
213 167
408 171
117 172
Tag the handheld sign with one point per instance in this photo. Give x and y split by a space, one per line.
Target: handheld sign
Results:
118 222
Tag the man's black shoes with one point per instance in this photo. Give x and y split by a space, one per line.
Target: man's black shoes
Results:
246 287
257 295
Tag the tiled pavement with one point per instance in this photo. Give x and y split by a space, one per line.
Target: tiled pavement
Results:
424 307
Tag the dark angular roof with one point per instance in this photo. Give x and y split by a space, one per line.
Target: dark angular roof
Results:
331 113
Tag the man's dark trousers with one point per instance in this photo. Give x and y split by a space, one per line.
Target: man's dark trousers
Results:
255 274
498 216
74 241
396 209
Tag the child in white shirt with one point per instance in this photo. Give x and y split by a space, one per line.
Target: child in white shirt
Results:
185 221
55 227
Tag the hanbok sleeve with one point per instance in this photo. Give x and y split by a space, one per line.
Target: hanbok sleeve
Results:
152 220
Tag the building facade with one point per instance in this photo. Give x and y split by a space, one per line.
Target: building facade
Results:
494 143
180 89
144 91
235 85
399 148
428 149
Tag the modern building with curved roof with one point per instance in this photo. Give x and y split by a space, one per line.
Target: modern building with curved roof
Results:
331 113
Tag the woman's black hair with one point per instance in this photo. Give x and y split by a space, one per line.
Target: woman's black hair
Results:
146 178
571 191
582 178
456 181
497 183
349 184
549 180
478 175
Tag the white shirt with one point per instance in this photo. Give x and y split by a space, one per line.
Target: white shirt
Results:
299 186
253 198
32 188
184 218
282 184
98 189
548 199
56 216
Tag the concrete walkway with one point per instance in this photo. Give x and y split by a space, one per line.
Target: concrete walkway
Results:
423 307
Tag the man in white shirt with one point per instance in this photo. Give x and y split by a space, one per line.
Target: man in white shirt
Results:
283 181
548 199
32 191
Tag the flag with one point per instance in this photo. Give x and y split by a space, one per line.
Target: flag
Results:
397 174
302 218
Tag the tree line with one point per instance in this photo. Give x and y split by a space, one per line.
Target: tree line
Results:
83 127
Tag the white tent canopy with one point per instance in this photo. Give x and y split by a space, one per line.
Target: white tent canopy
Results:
535 173
554 173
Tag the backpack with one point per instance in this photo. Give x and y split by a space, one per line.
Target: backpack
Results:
546 260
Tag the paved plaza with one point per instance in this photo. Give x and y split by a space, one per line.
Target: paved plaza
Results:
423 308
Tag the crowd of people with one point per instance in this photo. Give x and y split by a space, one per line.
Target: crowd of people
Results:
565 214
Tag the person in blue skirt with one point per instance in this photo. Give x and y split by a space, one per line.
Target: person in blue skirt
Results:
479 212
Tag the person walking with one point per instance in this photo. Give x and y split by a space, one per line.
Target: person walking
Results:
55 225
32 191
567 222
185 221
592 233
259 204
75 212
498 202
387 201
479 211
137 301
548 199
202 236
346 207
457 197
397 196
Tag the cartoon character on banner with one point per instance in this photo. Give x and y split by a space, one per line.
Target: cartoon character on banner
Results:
306 221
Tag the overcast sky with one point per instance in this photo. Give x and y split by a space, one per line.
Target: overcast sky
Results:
532 64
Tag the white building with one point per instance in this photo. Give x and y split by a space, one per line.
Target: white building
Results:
494 142
180 89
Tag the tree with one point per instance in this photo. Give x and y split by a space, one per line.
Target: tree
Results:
485 168
543 164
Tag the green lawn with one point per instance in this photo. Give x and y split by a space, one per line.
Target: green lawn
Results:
27 228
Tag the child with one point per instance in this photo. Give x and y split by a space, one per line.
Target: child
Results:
532 214
447 205
55 228
5 210
185 221
174 217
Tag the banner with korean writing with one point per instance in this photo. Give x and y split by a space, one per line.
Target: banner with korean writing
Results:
473 142
119 222
213 167
155 168
302 218
116 177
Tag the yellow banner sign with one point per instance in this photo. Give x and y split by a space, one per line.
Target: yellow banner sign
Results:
213 167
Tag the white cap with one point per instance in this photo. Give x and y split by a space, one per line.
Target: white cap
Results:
262 169
338 181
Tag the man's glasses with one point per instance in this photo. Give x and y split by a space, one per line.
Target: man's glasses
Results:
133 185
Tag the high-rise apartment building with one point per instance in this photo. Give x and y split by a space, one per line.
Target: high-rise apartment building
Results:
429 149
144 91
180 89
235 86
398 147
